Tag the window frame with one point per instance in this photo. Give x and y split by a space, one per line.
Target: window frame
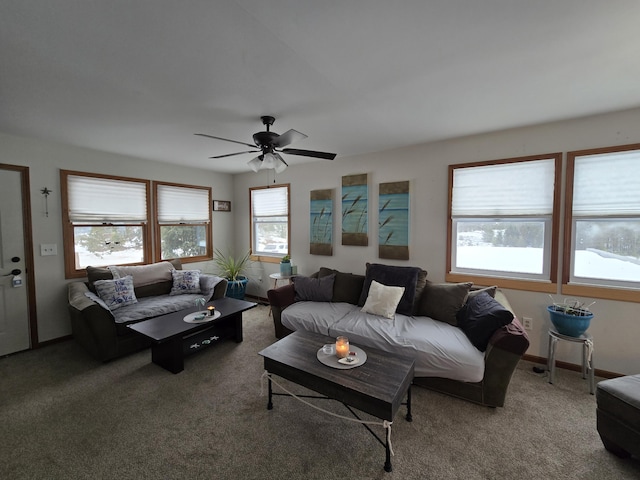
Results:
605 289
550 254
157 225
261 256
68 235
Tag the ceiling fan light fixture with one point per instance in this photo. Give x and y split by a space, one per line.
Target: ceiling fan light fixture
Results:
280 163
256 163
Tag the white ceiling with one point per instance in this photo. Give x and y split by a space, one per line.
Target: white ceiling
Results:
139 77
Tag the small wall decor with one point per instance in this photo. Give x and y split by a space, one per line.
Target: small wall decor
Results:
221 206
355 200
46 192
321 218
393 221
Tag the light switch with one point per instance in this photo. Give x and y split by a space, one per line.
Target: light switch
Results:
48 249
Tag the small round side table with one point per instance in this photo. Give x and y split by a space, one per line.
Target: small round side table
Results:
278 276
587 356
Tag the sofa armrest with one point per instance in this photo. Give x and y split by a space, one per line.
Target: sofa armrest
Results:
279 299
212 286
77 298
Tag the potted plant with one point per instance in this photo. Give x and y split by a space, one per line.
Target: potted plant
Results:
233 269
570 318
285 266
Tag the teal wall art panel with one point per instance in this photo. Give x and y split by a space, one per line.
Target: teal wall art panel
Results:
355 202
393 220
321 218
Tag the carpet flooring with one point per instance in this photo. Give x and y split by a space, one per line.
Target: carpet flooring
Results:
65 416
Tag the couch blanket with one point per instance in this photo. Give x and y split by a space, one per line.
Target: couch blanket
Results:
148 307
441 350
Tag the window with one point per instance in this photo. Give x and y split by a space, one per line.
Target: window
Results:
502 219
602 223
105 221
269 222
183 221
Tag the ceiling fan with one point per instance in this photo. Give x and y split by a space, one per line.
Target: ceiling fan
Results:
270 145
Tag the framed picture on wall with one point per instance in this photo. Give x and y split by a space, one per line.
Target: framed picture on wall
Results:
221 206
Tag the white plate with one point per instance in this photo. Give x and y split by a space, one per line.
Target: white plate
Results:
191 318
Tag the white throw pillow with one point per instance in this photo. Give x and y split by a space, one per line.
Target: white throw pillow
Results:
382 299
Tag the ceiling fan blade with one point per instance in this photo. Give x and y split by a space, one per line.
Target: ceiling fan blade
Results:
237 153
288 137
309 153
224 139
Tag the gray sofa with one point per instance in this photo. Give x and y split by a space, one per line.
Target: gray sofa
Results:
457 352
102 330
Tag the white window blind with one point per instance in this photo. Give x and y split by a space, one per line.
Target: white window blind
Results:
270 202
183 204
519 188
101 200
607 184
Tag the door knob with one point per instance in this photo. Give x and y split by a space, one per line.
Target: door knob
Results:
15 259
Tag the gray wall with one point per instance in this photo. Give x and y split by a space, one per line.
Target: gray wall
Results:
615 327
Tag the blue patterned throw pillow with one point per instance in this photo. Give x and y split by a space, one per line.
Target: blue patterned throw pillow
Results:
116 293
185 281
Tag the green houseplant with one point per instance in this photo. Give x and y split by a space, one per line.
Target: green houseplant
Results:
233 269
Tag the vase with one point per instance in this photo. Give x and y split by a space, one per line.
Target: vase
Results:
285 269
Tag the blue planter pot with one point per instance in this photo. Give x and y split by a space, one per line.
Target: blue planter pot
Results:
570 325
237 288
285 269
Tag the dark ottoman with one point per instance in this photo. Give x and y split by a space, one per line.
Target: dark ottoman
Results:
618 415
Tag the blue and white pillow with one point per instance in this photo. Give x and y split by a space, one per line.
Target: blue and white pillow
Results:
185 281
116 293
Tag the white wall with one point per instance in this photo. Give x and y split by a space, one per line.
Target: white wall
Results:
45 160
615 328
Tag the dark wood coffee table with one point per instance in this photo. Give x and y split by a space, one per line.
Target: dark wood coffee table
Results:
174 339
376 387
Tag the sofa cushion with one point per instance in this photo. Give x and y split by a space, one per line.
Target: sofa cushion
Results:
441 301
394 276
117 292
185 281
160 287
421 284
383 300
313 289
347 287
480 317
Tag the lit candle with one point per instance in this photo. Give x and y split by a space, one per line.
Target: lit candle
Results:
342 347
211 309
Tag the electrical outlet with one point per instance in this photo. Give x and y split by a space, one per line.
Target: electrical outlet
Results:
48 249
527 323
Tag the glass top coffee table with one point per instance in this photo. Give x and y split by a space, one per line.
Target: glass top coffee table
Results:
376 387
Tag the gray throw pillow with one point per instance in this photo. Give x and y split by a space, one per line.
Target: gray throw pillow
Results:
313 289
346 287
441 301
